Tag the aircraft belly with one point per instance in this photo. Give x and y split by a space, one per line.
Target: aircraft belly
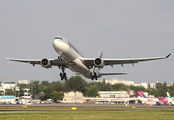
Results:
75 69
77 66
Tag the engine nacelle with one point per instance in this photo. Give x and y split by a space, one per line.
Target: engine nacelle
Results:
45 63
98 62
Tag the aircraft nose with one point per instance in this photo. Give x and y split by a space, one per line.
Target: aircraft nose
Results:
60 46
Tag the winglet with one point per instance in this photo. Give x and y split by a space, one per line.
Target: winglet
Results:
168 55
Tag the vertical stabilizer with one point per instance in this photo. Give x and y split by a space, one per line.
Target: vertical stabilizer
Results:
100 54
168 95
139 94
143 94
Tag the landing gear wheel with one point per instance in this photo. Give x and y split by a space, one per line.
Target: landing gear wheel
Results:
93 75
59 57
63 76
60 74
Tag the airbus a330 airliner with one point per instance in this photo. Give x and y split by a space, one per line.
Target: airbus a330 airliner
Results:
72 59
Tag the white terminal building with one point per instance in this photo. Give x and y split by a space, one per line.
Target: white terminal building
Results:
5 86
73 97
127 82
23 81
104 96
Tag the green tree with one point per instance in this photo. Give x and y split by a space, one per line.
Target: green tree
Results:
9 92
102 86
36 88
76 83
158 85
171 90
56 96
92 91
58 86
153 92
21 89
164 89
42 96
47 91
119 86
46 83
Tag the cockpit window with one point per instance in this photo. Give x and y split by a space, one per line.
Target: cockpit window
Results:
58 38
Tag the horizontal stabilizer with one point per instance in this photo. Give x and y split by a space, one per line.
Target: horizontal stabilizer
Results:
113 73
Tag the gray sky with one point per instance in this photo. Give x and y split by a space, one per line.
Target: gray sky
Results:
121 29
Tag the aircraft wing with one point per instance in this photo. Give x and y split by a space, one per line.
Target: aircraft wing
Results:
54 62
90 61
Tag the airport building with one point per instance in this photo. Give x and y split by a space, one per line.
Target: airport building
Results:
113 94
8 85
104 97
7 99
112 82
23 81
73 97
125 82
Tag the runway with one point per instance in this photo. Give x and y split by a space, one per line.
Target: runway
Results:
71 111
88 105
85 105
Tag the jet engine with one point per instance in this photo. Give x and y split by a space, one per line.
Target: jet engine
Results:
98 62
45 63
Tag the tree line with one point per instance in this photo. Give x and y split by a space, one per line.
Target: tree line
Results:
45 90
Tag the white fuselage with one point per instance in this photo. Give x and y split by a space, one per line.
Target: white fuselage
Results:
71 56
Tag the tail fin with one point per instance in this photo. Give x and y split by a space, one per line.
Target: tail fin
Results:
142 93
168 95
100 54
139 94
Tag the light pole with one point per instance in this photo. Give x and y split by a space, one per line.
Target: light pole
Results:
31 91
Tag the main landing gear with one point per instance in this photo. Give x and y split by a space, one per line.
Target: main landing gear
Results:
93 75
63 74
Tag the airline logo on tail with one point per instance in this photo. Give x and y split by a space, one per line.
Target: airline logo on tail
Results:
143 94
139 94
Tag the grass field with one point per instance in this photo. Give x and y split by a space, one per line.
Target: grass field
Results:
88 116
106 114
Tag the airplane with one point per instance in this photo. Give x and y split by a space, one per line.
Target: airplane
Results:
170 100
163 101
71 58
167 100
160 101
142 97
